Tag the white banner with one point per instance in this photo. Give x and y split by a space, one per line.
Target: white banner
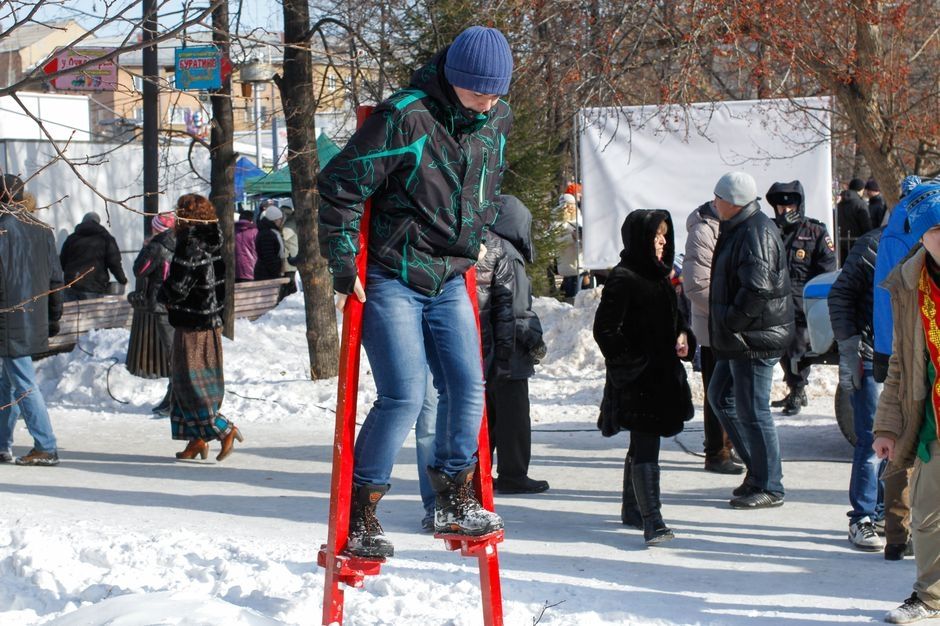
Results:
670 157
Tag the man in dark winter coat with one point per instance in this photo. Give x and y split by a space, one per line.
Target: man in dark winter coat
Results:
151 268
853 217
512 343
270 245
29 268
431 159
810 252
90 247
750 324
850 309
876 203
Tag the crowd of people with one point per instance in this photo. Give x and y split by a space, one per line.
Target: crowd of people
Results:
440 143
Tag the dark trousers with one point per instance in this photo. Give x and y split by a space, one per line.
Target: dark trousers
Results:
507 410
644 447
717 444
795 374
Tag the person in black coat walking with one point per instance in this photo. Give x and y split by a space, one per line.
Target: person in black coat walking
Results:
151 268
512 343
29 273
269 245
194 293
643 337
90 247
750 325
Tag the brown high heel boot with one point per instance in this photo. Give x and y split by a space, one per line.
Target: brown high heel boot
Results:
228 443
195 447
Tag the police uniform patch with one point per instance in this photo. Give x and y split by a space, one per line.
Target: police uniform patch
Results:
829 243
800 254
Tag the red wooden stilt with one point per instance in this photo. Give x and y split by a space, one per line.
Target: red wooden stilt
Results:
342 569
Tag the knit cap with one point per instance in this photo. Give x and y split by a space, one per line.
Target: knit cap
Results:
91 216
162 222
908 184
738 188
272 213
479 60
923 208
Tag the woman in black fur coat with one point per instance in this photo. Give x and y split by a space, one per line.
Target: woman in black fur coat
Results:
643 337
194 293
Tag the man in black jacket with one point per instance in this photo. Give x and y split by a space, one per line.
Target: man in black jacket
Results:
810 252
751 324
876 203
853 217
29 268
512 343
431 158
850 310
92 249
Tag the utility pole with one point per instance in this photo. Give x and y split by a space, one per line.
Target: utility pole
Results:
151 116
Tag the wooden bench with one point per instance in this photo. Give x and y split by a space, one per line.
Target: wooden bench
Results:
252 300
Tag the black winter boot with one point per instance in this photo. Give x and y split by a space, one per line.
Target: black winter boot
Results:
629 510
456 509
366 537
795 401
646 485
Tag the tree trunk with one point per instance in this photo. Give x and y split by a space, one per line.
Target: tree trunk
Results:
222 173
296 87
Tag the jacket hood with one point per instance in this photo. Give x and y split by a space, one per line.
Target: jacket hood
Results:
786 192
637 232
90 229
243 225
704 213
431 80
514 223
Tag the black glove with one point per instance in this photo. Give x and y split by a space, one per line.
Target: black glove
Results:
53 328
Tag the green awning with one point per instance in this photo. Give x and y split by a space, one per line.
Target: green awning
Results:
279 182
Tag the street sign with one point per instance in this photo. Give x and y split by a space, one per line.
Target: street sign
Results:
95 77
199 68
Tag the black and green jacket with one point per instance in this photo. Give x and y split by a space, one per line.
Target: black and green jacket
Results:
433 170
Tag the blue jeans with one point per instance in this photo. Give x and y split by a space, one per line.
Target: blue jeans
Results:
404 333
18 384
424 445
864 493
739 393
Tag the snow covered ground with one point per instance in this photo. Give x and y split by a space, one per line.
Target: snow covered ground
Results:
123 534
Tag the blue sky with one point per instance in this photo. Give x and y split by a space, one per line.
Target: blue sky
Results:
255 13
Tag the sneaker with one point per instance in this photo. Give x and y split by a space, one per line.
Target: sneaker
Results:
879 525
744 488
718 465
366 537
456 509
897 551
757 499
862 535
6 456
913 610
521 485
38 457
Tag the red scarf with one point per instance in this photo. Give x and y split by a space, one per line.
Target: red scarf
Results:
928 299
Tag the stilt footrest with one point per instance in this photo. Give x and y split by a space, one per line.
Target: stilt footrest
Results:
469 545
348 569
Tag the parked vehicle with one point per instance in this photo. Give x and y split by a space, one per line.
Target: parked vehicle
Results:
824 349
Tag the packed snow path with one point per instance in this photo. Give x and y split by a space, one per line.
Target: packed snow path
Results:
206 543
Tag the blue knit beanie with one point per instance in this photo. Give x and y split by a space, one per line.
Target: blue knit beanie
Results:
480 60
923 208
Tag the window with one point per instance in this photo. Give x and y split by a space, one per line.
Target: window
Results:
138 83
331 82
178 114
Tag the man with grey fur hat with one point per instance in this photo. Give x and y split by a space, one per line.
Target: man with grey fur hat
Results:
750 325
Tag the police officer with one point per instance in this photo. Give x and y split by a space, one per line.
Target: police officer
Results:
810 252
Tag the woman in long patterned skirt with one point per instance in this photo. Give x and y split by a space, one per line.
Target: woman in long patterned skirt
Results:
194 292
